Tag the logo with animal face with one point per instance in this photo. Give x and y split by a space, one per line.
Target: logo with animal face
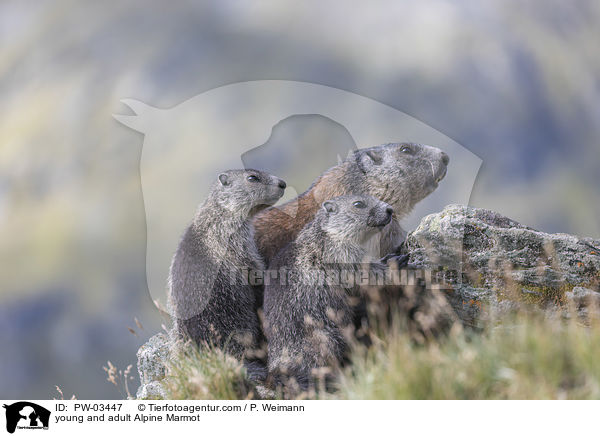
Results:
243 125
26 415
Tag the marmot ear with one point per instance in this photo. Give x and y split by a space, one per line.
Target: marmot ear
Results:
224 179
330 207
375 156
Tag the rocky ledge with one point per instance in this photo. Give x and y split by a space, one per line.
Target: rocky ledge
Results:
493 263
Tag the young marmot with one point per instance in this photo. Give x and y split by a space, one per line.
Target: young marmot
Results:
210 297
310 310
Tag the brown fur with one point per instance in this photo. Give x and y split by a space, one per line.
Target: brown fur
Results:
275 227
401 180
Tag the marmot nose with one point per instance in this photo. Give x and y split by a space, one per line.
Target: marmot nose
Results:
445 158
282 184
389 211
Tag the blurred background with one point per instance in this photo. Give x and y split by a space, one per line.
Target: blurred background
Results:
515 82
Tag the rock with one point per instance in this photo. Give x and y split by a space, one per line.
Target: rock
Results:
495 263
585 301
151 391
152 358
582 296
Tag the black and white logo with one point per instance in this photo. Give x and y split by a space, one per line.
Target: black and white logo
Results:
26 415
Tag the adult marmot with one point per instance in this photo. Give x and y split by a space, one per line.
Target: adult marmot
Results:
310 311
401 174
210 298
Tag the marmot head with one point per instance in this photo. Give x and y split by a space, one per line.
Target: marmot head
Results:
248 191
402 174
354 218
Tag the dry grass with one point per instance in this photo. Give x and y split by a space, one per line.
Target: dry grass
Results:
120 378
529 356
526 357
207 375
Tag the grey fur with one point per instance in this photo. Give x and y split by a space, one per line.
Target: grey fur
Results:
401 174
209 297
306 323
401 179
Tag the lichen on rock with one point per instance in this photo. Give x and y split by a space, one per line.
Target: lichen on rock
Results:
152 358
493 262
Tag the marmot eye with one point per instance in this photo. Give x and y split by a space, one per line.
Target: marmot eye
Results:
252 178
406 149
359 204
